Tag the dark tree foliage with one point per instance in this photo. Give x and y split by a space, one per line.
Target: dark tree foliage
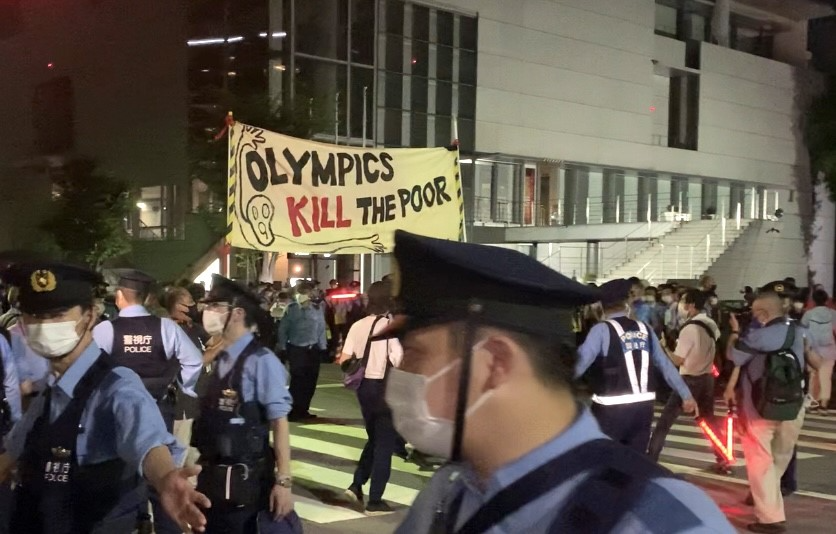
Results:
821 136
88 224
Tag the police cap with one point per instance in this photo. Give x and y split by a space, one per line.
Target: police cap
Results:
615 291
439 281
134 280
225 290
47 286
781 288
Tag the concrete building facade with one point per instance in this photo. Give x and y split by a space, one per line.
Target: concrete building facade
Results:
589 129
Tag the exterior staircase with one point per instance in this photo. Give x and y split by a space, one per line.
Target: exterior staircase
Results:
685 253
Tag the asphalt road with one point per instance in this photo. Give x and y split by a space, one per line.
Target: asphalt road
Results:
324 454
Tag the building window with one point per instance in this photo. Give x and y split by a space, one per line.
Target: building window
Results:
153 215
52 115
362 40
438 53
322 28
666 21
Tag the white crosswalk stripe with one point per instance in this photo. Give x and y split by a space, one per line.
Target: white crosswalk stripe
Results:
325 455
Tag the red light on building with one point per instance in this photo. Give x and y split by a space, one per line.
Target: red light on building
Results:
414 61
50 65
652 109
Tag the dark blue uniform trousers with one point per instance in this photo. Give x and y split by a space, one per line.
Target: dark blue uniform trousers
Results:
304 372
376 459
628 424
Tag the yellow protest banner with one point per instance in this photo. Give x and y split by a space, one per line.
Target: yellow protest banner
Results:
293 195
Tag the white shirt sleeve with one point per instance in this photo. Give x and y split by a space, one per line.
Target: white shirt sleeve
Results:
356 338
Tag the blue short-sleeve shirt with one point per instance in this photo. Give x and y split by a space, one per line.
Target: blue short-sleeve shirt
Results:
121 419
263 379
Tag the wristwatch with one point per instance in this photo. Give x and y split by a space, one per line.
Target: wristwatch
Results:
285 481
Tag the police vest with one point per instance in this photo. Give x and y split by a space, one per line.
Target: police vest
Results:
56 495
138 345
627 374
228 429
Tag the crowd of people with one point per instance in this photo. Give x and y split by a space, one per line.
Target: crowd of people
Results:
770 355
170 397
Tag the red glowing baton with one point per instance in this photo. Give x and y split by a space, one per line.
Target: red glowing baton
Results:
726 450
715 371
730 433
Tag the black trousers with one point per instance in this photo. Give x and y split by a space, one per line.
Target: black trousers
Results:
702 388
304 372
232 521
376 458
6 506
628 424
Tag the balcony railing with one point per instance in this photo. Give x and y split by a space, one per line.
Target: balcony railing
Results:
593 210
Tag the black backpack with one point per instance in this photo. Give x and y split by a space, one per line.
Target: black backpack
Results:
778 395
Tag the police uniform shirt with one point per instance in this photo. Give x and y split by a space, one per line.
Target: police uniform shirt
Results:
175 341
303 326
11 385
597 345
121 419
263 378
751 350
30 365
694 511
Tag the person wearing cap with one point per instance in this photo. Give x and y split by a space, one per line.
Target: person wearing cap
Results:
487 381
158 350
246 398
622 356
10 412
86 447
302 339
768 445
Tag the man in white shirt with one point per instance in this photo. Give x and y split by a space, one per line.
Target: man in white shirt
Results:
376 460
694 355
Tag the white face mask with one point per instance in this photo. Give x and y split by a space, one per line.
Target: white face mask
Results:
406 395
53 340
798 306
302 298
214 322
667 299
713 301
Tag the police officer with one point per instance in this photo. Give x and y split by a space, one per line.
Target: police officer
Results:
302 337
83 447
624 356
148 345
246 398
10 412
155 348
486 380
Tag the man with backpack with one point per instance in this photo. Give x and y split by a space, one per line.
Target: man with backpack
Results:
768 364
